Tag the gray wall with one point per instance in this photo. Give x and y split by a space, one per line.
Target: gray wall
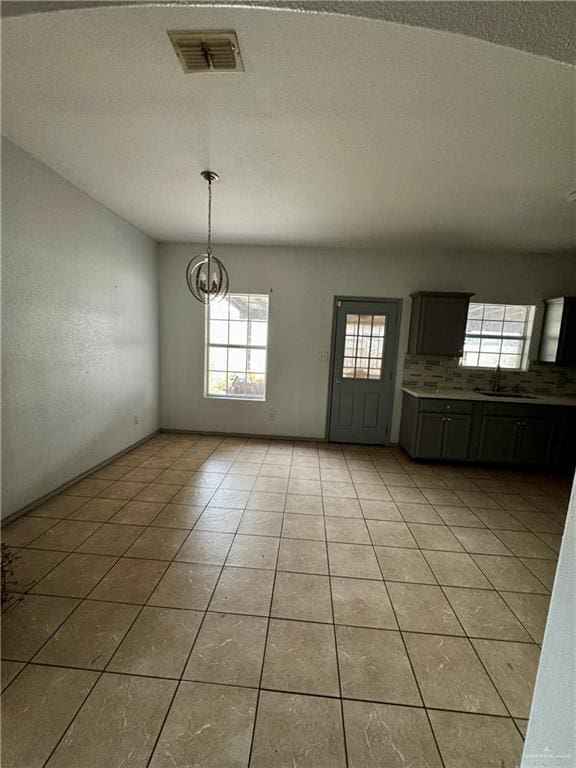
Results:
80 331
304 283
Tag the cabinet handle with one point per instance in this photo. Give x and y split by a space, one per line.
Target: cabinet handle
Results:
448 407
449 419
443 418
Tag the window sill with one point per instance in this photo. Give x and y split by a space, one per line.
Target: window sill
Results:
491 368
237 399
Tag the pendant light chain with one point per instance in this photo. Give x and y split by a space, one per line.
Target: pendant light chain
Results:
209 247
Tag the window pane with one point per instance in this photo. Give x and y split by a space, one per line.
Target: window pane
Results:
363 346
470 358
365 325
217 358
234 369
258 334
513 329
376 347
379 327
218 332
237 359
237 383
494 311
258 307
238 307
375 370
490 345
217 383
257 361
350 346
517 313
362 368
489 361
256 385
471 344
238 332
510 361
512 346
351 325
497 334
219 310
475 311
491 328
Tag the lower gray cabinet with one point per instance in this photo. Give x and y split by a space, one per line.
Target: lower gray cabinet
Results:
496 432
516 441
457 431
430 435
498 438
535 441
443 437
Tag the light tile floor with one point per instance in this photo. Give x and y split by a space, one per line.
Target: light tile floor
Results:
227 603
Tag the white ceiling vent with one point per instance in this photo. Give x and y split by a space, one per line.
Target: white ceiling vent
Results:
214 50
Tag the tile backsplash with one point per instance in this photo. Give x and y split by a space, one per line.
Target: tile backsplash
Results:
446 373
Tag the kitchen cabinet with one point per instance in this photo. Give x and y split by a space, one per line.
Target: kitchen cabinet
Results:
558 341
495 432
438 323
535 441
457 431
498 438
437 430
510 439
566 447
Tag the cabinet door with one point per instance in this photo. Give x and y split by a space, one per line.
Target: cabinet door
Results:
498 438
567 343
430 437
443 325
535 441
456 437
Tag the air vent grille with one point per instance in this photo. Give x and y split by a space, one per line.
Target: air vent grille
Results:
207 50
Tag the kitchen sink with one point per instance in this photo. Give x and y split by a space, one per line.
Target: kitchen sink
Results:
515 395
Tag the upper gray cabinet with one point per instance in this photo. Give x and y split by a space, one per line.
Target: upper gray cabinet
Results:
558 342
438 323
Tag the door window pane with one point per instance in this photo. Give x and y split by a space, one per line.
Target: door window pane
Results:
364 346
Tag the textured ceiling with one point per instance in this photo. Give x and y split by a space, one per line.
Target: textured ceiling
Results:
546 27
340 132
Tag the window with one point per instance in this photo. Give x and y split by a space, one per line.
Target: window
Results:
236 347
497 335
364 346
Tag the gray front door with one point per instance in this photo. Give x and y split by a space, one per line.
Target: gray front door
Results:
363 367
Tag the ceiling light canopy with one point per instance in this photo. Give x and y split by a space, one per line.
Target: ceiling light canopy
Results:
206 276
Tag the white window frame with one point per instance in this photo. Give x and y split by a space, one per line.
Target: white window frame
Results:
526 338
247 347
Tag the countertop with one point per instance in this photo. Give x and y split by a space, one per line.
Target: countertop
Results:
470 394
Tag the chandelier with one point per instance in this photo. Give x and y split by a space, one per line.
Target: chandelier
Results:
206 276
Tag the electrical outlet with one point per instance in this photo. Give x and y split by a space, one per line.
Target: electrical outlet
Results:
136 420
272 416
323 356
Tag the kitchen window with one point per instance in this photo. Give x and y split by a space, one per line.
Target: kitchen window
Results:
237 347
498 335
